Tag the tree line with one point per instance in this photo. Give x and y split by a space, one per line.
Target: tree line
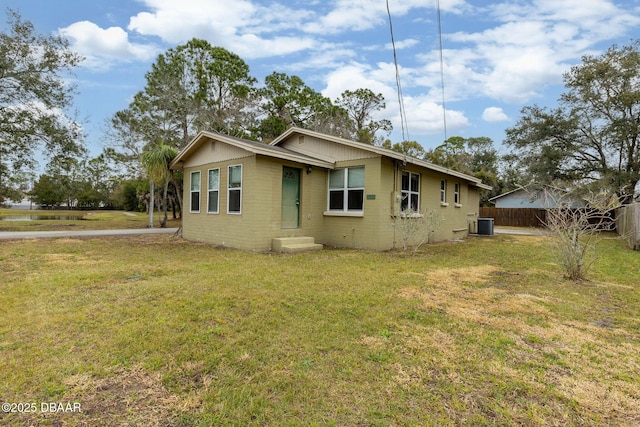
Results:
590 140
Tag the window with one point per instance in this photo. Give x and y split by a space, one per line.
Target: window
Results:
346 189
213 190
234 201
195 191
456 193
443 191
410 192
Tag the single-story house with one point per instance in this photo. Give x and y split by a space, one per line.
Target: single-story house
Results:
529 197
315 188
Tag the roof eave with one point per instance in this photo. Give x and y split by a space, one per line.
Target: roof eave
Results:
177 163
378 150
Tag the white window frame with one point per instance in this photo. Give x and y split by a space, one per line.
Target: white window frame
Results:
443 192
406 194
456 195
210 190
230 189
345 189
192 191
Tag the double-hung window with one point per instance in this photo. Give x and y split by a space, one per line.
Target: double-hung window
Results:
195 192
456 194
213 191
410 192
234 199
443 191
346 189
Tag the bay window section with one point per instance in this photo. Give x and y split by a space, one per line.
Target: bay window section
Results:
346 190
234 199
195 192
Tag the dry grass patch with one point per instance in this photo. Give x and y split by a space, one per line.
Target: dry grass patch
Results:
579 361
131 396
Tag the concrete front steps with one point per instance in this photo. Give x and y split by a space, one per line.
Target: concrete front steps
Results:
291 245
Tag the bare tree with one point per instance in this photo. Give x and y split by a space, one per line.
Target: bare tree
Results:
577 230
416 228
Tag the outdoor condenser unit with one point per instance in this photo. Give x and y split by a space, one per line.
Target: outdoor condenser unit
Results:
485 226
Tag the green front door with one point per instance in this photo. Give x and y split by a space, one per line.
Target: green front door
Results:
290 197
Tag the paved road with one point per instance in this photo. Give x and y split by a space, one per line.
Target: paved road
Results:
6 235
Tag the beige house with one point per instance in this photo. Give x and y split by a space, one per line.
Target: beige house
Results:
305 189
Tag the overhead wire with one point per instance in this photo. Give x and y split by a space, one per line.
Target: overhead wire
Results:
403 116
444 109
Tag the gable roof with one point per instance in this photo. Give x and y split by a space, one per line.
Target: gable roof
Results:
500 196
546 196
380 151
274 149
250 146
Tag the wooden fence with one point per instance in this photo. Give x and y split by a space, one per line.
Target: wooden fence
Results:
628 224
515 217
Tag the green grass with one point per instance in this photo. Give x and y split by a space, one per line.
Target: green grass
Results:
91 220
154 330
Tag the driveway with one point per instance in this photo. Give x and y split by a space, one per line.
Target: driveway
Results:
523 231
7 235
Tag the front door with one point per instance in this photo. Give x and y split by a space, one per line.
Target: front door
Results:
290 197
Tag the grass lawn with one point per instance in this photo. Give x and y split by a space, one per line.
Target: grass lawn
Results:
155 331
90 220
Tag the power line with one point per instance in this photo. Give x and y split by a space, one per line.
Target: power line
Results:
444 109
403 116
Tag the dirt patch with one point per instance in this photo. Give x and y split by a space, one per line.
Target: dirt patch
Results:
127 397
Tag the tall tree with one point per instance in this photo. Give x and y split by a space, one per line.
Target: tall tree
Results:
47 192
218 85
410 148
193 87
474 156
190 88
288 101
593 138
468 155
361 105
34 94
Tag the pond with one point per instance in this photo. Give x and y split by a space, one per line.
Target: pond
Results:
33 217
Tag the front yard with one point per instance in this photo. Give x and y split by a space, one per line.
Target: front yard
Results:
154 330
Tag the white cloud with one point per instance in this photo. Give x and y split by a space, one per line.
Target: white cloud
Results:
425 117
177 22
360 15
240 26
532 47
101 46
494 114
355 76
402 44
351 15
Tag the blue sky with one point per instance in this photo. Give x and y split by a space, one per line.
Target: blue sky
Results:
498 56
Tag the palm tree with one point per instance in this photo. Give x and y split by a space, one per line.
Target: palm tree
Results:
156 162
